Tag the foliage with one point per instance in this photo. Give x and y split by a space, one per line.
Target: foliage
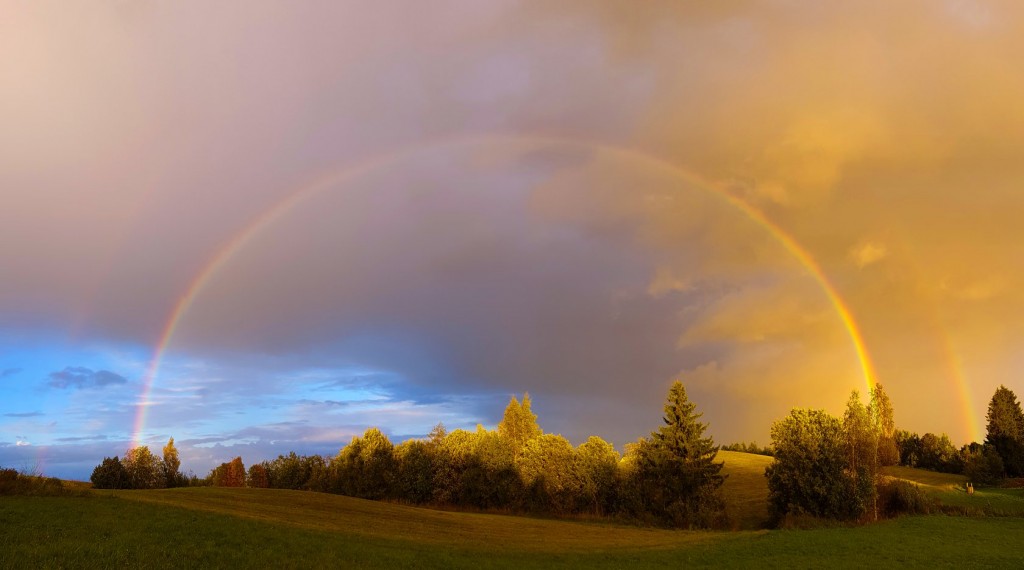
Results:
110 474
144 470
14 483
672 477
257 477
1005 430
546 466
898 497
365 467
751 447
881 412
810 473
171 465
862 435
519 423
983 465
909 447
595 464
230 474
939 454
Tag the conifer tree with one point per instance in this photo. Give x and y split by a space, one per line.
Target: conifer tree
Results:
1005 430
677 469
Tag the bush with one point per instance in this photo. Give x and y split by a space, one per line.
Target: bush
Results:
110 474
14 483
983 466
897 497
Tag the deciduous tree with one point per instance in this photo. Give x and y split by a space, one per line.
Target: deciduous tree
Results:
519 423
810 472
882 417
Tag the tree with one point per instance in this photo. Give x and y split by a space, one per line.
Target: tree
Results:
983 464
1005 430
172 464
144 470
546 465
110 474
674 473
810 472
861 438
365 467
519 424
596 464
909 446
415 472
939 454
257 477
881 413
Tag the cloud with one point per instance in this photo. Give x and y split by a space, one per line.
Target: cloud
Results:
78 377
24 414
589 276
22 443
9 372
867 253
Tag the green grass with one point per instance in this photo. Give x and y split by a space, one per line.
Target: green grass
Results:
745 488
950 490
923 477
218 527
121 530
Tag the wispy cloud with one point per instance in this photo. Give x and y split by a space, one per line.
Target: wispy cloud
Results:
24 414
78 377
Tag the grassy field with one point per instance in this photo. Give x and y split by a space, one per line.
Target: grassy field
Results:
216 527
745 488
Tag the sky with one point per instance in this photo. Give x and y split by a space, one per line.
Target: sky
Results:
260 227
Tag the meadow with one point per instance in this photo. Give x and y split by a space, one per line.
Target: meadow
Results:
219 527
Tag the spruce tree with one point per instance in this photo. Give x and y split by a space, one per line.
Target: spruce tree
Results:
683 462
1005 430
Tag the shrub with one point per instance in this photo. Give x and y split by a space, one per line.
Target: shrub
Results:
897 497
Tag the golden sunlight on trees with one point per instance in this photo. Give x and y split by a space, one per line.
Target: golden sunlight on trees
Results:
519 424
230 474
861 439
809 474
144 470
171 464
672 477
257 477
881 412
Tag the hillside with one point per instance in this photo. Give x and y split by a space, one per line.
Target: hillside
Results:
745 488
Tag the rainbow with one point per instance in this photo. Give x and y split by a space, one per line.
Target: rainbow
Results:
351 171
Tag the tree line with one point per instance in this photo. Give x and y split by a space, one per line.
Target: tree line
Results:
829 467
824 466
669 478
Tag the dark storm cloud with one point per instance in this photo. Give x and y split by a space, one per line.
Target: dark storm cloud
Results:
885 138
78 377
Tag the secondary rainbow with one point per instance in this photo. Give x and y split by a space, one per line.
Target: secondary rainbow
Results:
348 172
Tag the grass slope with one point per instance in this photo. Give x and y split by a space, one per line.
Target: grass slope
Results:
217 527
122 530
745 488
950 490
